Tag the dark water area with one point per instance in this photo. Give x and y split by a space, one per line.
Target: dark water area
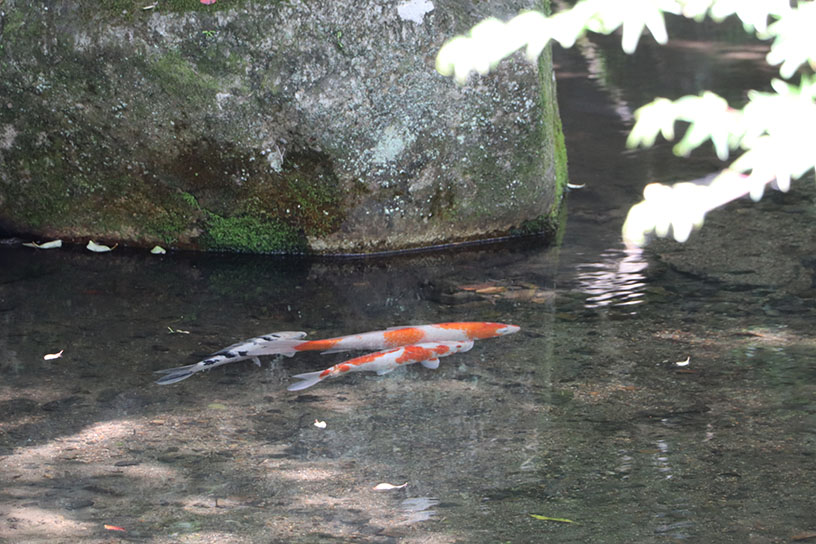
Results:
651 396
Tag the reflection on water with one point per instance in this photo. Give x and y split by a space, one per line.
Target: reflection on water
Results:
583 415
418 509
616 279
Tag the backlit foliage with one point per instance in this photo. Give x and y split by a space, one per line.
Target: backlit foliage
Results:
770 134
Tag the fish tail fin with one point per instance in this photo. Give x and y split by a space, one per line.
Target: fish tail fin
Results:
306 380
173 375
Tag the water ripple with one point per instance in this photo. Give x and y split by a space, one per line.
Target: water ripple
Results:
617 279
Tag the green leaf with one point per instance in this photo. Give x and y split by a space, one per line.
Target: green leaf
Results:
655 118
793 45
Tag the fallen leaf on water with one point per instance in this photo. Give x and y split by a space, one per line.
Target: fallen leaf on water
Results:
387 486
491 290
99 248
520 294
476 286
47 245
177 331
50 356
320 424
216 406
114 528
158 250
542 297
683 363
807 535
547 518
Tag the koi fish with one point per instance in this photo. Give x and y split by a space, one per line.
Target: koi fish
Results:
383 362
290 343
236 352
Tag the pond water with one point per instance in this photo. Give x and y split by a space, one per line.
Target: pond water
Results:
656 396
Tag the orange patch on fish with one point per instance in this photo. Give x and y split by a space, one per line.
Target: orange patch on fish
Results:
402 337
412 354
363 359
317 345
474 330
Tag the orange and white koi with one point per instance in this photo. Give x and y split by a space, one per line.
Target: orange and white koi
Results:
290 343
383 362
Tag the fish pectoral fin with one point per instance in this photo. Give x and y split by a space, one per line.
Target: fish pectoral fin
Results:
384 371
431 363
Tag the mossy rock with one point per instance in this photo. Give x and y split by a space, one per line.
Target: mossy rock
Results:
267 127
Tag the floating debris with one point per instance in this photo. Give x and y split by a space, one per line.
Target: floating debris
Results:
158 250
683 363
386 486
177 331
320 424
547 518
99 248
51 356
53 244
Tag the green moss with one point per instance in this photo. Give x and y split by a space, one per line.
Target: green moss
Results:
251 234
550 225
178 78
443 204
168 219
190 200
552 129
305 195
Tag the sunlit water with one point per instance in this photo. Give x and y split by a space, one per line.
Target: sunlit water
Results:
640 403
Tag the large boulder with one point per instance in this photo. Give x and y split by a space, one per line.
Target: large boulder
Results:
268 126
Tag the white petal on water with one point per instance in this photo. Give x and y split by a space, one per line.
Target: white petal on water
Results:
50 356
98 248
386 486
47 245
320 424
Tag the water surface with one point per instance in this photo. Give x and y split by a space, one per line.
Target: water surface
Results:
656 396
